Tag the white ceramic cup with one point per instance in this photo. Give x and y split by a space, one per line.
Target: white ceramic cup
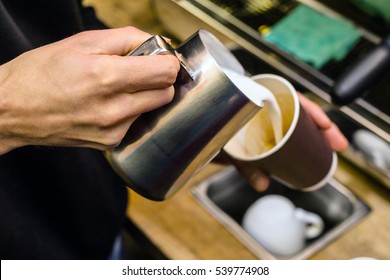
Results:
279 226
374 147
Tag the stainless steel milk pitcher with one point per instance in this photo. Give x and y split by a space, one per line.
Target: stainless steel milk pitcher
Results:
164 148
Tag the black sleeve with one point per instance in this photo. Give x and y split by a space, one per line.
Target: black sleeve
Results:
89 18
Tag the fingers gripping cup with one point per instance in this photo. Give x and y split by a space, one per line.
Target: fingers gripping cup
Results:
302 159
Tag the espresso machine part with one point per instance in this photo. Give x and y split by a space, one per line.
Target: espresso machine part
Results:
364 74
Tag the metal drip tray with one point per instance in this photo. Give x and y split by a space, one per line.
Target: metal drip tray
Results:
227 196
362 159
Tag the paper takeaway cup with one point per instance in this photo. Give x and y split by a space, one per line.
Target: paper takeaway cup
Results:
302 159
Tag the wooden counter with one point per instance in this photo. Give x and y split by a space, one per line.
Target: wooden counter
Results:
183 229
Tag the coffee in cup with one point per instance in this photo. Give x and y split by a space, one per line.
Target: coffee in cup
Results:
302 159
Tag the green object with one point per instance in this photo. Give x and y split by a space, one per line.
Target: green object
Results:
313 37
379 8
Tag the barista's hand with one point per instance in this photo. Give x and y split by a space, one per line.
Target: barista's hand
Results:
260 180
81 91
331 132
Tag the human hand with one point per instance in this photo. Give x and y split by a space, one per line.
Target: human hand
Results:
259 180
331 132
82 91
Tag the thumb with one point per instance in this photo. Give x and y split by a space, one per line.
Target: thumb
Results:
257 178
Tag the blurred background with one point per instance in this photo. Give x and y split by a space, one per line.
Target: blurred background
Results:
119 13
332 48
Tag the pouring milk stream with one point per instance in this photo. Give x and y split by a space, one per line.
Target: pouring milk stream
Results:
258 94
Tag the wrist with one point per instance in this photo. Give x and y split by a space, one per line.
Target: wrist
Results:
7 141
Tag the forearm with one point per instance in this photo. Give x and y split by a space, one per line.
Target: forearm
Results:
9 139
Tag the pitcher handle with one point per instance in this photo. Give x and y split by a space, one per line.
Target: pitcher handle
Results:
157 45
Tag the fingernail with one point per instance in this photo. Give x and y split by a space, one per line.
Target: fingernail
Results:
259 181
168 40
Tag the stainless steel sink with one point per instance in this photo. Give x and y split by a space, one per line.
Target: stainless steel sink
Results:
227 196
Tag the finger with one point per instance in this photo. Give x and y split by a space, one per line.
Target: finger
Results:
128 105
136 73
118 41
258 179
105 126
125 73
335 138
315 112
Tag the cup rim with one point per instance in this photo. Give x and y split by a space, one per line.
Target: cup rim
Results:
224 60
290 130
